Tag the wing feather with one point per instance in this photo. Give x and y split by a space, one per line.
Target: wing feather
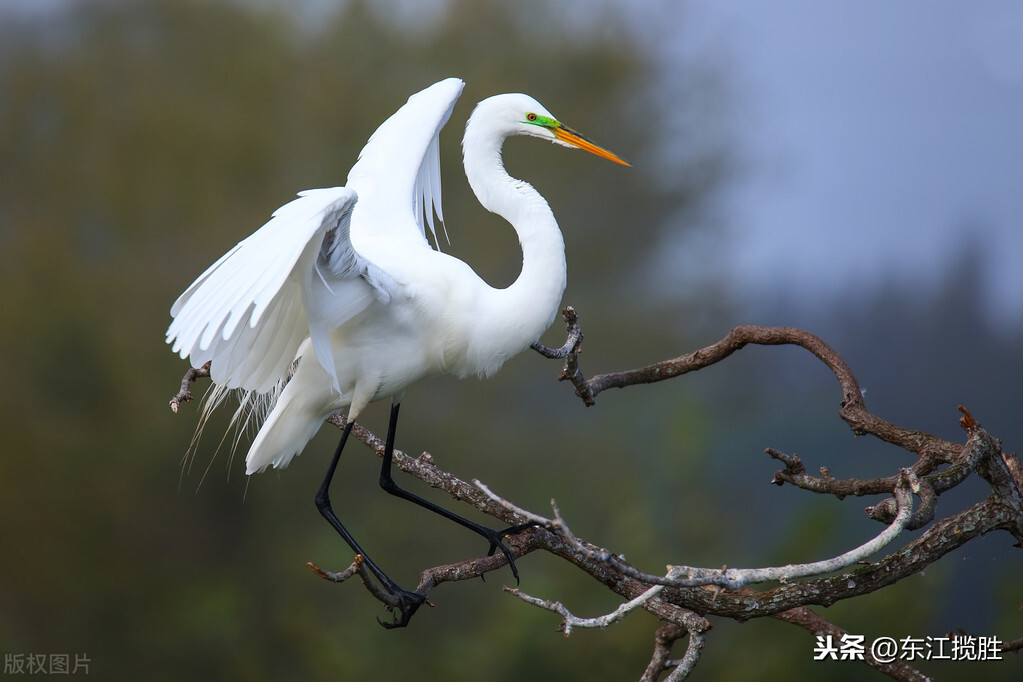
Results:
249 312
301 275
397 175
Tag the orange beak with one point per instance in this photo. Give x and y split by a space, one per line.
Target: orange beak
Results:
576 140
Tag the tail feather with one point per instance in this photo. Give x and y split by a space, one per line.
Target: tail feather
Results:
291 424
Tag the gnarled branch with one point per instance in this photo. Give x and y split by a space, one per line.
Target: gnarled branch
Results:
684 597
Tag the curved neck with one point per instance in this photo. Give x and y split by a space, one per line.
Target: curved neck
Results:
528 306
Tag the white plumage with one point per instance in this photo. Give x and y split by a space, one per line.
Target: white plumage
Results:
344 281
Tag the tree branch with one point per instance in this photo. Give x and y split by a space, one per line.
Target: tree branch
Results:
184 395
727 578
684 596
854 412
572 621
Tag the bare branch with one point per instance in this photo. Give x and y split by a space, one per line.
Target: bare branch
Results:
934 484
340 576
689 661
519 545
358 567
685 595
939 539
853 410
736 578
664 638
570 351
728 578
184 395
571 621
572 343
1000 469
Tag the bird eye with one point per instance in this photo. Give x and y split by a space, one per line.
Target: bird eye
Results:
530 117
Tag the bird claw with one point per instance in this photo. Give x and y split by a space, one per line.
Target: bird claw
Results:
496 538
408 604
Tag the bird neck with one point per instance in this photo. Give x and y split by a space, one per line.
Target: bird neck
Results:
523 310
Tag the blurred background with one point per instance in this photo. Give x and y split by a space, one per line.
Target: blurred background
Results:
852 170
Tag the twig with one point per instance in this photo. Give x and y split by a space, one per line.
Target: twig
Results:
689 661
340 576
184 395
571 371
572 343
519 545
358 566
977 448
664 638
570 621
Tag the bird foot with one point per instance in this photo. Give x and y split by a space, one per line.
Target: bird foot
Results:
497 537
407 603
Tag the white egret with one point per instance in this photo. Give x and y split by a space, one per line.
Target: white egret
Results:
343 281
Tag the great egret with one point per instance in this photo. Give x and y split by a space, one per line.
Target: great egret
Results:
343 282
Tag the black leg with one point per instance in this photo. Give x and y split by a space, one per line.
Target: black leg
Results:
408 602
387 483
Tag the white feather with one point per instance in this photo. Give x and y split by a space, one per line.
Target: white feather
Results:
351 298
249 311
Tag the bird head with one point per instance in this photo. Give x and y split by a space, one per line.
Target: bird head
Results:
518 114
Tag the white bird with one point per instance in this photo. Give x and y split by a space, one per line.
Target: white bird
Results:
342 288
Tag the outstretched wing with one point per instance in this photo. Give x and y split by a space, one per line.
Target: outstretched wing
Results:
300 275
296 277
397 175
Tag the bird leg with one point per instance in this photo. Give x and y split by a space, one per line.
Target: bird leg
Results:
495 537
406 602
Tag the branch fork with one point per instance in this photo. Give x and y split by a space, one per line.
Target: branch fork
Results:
684 596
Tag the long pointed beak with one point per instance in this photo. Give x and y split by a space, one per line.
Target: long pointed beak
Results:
575 139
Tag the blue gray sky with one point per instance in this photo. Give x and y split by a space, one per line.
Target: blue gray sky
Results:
875 138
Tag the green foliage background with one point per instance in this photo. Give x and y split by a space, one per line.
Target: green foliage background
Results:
140 140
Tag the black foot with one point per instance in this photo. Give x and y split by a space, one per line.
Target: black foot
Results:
496 538
408 604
